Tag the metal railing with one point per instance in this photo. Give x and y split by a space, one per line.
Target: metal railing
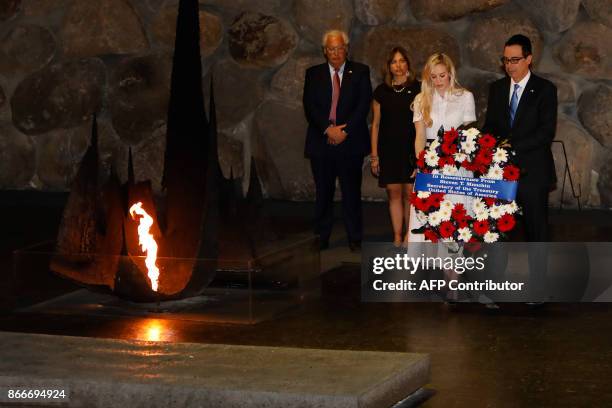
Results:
567 175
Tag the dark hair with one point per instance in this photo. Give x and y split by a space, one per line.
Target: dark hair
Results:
388 77
523 41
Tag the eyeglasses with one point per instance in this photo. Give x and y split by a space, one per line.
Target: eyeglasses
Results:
333 50
513 60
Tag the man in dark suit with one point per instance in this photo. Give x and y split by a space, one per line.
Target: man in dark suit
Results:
337 96
522 108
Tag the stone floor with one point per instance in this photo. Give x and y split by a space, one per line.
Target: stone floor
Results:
557 356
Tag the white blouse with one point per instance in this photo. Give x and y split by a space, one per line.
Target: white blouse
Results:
448 111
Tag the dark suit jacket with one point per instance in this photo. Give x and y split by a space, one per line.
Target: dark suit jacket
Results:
533 129
352 110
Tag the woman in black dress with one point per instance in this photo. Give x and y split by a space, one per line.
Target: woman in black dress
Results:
393 136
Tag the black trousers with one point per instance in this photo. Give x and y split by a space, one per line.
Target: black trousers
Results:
326 169
533 199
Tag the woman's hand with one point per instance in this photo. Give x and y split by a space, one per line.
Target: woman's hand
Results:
374 167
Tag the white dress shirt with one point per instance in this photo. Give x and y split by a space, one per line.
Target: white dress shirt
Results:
340 73
522 84
449 111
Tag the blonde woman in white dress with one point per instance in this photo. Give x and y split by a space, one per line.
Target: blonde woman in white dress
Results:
442 102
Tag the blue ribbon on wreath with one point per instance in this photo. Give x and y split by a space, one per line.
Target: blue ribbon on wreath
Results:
469 186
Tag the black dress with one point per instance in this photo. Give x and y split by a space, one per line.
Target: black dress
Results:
396 134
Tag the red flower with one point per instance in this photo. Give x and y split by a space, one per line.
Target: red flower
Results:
419 203
421 160
484 156
420 163
444 160
435 199
506 223
511 173
447 229
449 148
450 136
462 222
489 201
458 211
430 235
487 141
482 169
481 227
468 165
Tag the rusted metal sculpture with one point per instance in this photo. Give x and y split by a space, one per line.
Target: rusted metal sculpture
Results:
98 243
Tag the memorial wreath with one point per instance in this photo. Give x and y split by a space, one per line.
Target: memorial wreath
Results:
468 163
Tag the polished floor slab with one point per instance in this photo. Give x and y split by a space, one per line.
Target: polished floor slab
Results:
113 373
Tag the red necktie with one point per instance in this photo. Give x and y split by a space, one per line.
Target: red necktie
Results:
335 97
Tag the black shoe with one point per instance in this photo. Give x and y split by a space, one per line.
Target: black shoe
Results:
491 307
535 305
355 246
419 230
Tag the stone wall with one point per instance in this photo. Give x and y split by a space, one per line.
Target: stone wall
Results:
62 60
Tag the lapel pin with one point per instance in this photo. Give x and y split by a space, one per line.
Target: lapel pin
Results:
350 72
531 90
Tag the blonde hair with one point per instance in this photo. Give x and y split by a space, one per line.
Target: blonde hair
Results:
424 100
334 33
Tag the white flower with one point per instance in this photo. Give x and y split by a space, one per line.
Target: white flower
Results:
478 205
447 204
500 156
435 171
482 215
511 208
495 172
423 194
445 214
435 219
471 132
449 170
465 234
497 211
490 237
468 146
460 157
431 158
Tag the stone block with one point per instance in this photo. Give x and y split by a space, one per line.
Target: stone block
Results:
314 17
446 10
259 40
60 95
102 27
103 373
585 50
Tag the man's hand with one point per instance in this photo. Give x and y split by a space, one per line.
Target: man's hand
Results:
505 143
335 135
